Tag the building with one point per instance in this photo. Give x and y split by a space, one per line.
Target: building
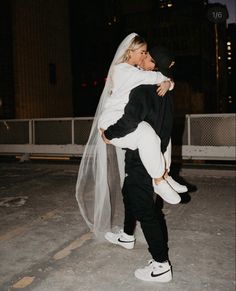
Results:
198 43
7 107
55 54
200 50
230 101
38 59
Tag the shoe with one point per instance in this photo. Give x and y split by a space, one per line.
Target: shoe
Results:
121 239
166 192
175 185
155 272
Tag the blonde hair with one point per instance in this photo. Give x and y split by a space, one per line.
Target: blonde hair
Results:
135 44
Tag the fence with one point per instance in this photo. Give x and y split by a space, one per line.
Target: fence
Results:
196 136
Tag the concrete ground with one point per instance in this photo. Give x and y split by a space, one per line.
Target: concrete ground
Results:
46 246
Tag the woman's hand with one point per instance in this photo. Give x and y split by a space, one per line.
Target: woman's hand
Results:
163 87
103 136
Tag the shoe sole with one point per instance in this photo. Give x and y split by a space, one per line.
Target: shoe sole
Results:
168 201
181 191
119 244
161 279
178 191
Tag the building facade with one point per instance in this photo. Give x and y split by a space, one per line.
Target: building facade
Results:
199 46
230 101
7 100
41 60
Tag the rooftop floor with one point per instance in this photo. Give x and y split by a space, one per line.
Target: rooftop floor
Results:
46 246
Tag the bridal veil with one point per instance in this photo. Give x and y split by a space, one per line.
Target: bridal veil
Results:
101 171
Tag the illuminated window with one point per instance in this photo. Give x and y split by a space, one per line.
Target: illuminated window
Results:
165 4
229 48
228 43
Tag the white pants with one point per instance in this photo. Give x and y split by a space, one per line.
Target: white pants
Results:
145 139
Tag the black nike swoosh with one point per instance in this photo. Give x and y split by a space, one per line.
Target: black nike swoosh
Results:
125 241
159 274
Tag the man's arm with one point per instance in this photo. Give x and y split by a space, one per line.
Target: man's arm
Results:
135 111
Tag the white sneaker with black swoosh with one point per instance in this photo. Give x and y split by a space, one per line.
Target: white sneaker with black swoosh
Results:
155 272
121 238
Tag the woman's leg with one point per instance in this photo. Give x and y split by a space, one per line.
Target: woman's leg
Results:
148 143
175 185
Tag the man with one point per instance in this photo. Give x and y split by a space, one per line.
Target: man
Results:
144 104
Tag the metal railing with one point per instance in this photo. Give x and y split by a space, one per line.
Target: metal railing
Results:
195 136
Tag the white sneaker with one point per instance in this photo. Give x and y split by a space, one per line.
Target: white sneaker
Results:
175 185
121 238
166 192
155 272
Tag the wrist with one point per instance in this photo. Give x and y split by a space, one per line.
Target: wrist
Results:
172 84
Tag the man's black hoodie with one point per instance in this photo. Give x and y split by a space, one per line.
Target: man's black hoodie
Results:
145 105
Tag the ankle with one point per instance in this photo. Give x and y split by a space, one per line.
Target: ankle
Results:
166 174
158 180
128 236
164 263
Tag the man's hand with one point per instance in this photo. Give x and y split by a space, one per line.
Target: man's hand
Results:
103 136
163 87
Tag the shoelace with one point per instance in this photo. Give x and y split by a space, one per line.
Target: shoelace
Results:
150 266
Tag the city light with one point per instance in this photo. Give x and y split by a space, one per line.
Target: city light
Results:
228 43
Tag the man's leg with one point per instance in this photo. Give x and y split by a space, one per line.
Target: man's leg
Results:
129 219
139 200
140 197
125 237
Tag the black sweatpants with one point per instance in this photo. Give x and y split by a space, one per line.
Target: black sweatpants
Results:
140 206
